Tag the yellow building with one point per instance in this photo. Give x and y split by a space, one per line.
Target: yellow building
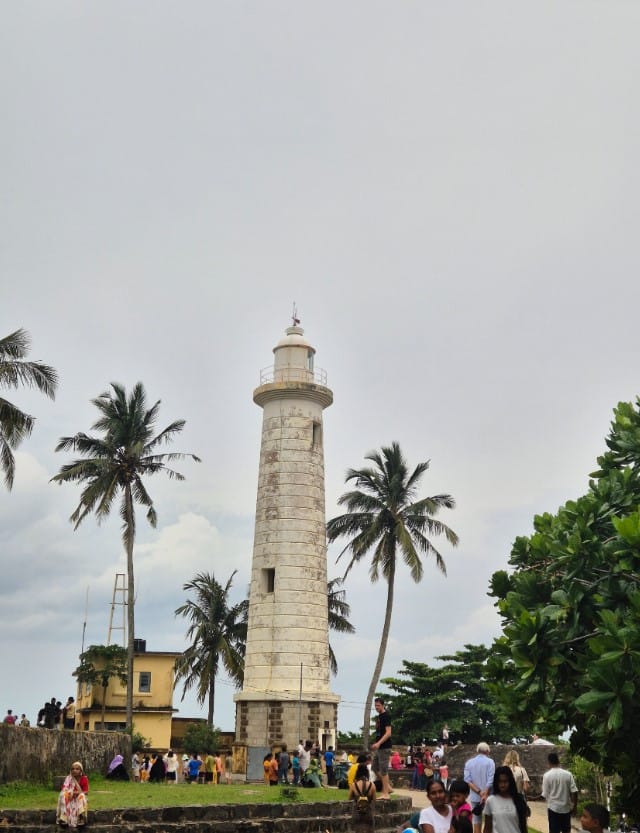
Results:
153 679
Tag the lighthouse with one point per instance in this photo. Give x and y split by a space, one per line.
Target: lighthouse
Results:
286 695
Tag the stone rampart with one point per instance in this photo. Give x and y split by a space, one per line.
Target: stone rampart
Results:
37 755
533 758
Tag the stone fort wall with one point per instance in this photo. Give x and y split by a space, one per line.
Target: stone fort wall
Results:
38 755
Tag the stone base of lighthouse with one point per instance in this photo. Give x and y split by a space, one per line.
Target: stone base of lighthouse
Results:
268 721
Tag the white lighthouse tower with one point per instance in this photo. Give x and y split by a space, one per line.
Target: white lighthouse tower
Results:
285 694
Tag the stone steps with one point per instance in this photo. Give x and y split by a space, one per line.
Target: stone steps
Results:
320 817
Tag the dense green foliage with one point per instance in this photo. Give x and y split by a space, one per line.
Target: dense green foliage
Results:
384 520
113 465
456 693
15 372
201 738
217 634
571 614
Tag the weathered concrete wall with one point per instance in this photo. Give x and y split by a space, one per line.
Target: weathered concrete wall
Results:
533 758
37 755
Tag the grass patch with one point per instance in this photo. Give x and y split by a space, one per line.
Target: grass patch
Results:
107 795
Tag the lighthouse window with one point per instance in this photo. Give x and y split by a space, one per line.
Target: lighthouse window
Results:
317 435
310 360
269 580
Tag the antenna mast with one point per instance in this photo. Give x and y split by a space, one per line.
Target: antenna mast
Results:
84 624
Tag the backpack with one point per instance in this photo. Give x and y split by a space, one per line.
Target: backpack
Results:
362 802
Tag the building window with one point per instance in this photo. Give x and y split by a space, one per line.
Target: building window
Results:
269 580
144 682
317 435
310 360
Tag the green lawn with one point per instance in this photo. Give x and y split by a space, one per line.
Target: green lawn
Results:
105 794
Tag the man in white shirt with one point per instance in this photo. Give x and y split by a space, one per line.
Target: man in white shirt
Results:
561 794
478 773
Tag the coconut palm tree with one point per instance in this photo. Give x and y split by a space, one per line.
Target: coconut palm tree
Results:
385 519
113 465
339 610
15 425
218 635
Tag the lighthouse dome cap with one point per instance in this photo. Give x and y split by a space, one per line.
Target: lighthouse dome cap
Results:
294 338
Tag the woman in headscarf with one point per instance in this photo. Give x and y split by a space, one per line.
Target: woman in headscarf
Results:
116 771
72 801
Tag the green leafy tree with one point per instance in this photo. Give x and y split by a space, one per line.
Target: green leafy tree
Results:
15 372
99 664
385 519
339 611
456 692
201 737
114 465
217 634
571 614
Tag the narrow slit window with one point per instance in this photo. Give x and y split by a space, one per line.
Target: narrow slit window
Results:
269 579
317 435
310 360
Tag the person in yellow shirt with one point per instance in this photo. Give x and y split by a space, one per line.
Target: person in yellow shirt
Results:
351 774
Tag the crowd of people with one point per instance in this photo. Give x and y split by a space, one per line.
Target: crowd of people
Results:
169 768
10 719
493 799
53 715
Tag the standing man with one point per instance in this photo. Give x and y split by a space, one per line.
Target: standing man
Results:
69 714
329 758
382 747
304 757
478 773
561 794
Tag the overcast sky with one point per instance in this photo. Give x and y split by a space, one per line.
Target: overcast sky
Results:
448 191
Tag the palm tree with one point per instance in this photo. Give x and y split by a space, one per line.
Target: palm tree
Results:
339 610
15 425
114 465
218 634
98 664
385 517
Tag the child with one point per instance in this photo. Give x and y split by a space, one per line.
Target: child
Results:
595 818
295 766
194 768
458 794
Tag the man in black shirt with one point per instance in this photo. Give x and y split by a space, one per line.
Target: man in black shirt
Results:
382 747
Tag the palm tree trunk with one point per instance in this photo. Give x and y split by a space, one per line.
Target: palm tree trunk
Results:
212 686
366 725
130 533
